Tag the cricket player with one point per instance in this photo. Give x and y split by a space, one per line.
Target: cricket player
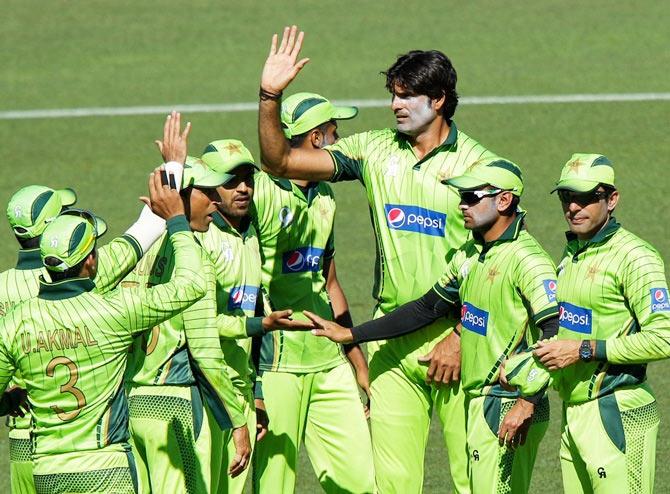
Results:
69 345
505 284
307 383
232 245
29 211
614 319
415 228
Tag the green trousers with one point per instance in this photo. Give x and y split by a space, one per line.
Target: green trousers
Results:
110 469
496 469
324 410
171 439
608 445
20 462
401 408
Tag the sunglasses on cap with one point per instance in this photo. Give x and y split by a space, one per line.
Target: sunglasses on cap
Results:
582 198
470 197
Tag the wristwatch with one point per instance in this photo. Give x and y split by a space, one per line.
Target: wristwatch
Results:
585 352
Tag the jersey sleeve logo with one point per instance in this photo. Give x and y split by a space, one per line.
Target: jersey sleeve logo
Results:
302 260
243 297
415 219
659 300
574 318
550 289
474 319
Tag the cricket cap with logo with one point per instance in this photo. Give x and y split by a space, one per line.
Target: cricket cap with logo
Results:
301 112
70 238
496 172
224 155
584 172
197 174
31 208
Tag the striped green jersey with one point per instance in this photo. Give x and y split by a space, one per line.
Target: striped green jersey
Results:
237 260
184 350
505 288
612 289
295 226
21 283
70 346
416 220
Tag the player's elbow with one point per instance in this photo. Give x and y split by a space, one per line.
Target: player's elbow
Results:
278 168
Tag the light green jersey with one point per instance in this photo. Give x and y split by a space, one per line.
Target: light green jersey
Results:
416 220
295 226
184 350
237 261
506 288
70 346
21 283
612 289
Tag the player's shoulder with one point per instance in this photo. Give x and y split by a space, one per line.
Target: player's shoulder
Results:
528 253
633 251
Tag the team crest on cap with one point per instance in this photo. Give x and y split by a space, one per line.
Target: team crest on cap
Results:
17 211
54 242
285 216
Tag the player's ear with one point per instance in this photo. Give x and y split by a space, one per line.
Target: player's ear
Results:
612 200
315 138
504 201
439 103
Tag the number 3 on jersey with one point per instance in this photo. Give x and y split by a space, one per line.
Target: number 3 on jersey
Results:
68 387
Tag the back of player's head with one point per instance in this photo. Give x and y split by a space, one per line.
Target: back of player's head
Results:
31 209
427 73
68 240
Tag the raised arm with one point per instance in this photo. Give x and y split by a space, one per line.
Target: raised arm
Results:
281 67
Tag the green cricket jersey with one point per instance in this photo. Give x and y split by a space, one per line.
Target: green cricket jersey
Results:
295 226
21 283
416 220
506 288
184 350
70 346
237 261
612 289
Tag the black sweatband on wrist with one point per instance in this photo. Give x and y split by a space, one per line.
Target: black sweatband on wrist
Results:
268 95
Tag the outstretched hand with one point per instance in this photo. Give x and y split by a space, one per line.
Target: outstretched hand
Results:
329 329
164 199
174 146
281 66
281 319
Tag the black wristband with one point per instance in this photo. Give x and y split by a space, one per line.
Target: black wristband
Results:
267 95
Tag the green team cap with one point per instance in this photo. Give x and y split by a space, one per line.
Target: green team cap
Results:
524 372
197 174
497 172
225 155
32 207
69 238
584 172
301 112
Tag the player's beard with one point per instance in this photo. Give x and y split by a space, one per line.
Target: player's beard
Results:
420 115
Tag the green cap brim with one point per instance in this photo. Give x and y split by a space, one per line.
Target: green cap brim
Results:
576 185
67 196
345 112
465 182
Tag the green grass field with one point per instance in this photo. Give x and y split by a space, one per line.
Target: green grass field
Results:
104 54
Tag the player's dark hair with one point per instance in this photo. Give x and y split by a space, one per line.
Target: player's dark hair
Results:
297 141
29 243
185 195
427 73
73 272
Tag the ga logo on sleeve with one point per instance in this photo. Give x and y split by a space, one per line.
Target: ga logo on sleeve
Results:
415 219
474 319
659 300
574 318
243 297
550 289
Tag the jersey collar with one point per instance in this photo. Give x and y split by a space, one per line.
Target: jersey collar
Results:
222 224
64 289
575 247
510 234
446 145
29 259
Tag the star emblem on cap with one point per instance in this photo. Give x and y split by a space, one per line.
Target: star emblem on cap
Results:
232 148
493 272
576 165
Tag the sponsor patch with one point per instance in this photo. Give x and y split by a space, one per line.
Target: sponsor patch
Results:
243 297
550 289
301 260
659 300
474 319
574 318
415 219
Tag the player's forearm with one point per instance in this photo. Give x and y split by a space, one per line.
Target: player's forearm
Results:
273 144
407 318
356 357
239 327
338 300
646 346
